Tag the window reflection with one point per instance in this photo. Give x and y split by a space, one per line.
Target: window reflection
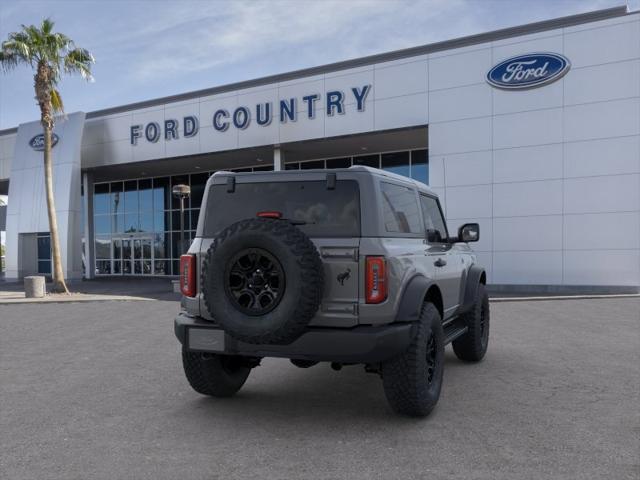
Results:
397 162
420 166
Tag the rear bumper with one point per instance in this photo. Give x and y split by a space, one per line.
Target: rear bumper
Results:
361 344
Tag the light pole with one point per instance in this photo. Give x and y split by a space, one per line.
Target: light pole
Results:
182 192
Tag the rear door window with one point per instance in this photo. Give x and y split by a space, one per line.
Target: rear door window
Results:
400 209
316 210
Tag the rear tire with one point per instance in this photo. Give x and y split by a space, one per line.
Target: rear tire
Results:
472 346
215 375
412 381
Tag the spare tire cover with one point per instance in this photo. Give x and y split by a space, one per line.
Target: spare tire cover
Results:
262 281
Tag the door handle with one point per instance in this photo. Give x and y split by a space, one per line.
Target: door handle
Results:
440 262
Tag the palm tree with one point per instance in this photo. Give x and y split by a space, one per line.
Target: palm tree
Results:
50 55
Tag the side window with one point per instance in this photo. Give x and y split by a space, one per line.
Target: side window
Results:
400 209
433 221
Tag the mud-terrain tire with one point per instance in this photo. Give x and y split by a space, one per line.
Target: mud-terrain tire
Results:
262 281
215 375
472 346
412 380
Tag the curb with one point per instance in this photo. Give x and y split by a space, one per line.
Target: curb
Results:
562 297
73 299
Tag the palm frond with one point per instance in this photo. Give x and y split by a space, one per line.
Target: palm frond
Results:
56 101
8 60
20 46
79 60
47 26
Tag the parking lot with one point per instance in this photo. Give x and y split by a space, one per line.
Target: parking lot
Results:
96 390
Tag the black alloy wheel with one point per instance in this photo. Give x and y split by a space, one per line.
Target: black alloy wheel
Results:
255 281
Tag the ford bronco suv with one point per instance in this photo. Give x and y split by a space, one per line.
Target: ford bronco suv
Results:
348 266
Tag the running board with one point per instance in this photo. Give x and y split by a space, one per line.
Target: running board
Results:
454 331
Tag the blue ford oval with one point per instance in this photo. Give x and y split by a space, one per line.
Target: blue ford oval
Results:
37 142
528 71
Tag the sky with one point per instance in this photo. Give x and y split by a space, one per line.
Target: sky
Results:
153 48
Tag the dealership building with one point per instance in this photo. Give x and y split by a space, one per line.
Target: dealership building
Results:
532 131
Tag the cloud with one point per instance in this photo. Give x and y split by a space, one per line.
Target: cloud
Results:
148 49
218 34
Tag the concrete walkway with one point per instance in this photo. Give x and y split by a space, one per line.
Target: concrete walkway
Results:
104 289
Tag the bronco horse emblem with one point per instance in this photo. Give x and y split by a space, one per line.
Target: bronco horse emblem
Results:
344 276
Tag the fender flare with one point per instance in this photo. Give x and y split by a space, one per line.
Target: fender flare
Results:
471 287
413 295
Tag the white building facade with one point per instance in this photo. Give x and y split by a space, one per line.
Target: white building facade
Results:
532 131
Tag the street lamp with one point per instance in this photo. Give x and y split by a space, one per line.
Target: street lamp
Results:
182 192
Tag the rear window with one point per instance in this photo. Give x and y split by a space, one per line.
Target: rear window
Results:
320 212
400 209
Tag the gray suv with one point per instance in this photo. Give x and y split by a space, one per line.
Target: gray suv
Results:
348 266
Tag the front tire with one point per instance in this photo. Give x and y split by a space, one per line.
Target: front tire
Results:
215 375
472 346
412 381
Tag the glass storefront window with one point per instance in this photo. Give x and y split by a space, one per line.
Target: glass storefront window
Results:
160 245
103 267
103 247
102 224
101 198
160 221
117 223
131 196
312 165
117 198
161 194
420 166
397 162
146 222
198 182
194 219
368 161
131 224
145 195
339 162
117 248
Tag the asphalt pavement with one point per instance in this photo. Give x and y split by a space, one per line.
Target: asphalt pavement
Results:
96 391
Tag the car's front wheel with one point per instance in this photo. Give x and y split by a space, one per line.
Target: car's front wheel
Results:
215 375
413 380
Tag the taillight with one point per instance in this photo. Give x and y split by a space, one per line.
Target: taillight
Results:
376 280
188 275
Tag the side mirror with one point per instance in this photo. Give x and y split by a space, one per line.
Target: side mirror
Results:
469 232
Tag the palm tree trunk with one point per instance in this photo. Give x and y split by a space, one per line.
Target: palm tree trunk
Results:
59 284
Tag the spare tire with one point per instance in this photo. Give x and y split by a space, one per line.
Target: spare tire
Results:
262 281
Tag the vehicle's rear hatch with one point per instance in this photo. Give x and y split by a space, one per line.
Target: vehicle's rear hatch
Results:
329 213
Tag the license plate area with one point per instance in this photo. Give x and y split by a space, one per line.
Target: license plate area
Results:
205 339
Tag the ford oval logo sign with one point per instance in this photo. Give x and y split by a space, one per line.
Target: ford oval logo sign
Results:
528 71
37 142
